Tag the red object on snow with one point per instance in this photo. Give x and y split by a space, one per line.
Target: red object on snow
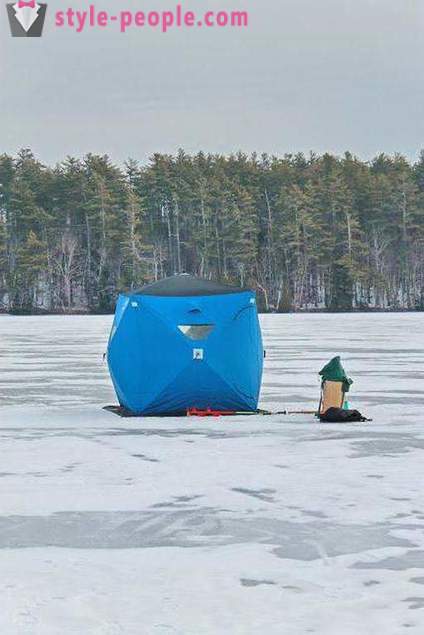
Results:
196 412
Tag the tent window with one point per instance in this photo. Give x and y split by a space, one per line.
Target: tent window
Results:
196 331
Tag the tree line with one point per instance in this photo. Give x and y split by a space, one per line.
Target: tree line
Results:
307 232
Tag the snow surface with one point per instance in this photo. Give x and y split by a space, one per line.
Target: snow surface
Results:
265 525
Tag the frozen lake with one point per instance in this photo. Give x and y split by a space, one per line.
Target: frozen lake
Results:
266 525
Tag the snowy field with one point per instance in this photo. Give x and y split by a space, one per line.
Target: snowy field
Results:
266 525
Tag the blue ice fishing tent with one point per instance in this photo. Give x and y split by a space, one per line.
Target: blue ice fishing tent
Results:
185 342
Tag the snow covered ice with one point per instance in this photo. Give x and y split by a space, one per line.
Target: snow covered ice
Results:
263 525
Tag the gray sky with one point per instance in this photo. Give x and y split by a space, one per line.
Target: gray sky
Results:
321 75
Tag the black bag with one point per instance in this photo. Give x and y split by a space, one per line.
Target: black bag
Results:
339 415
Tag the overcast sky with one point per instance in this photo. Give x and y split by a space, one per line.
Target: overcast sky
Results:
321 75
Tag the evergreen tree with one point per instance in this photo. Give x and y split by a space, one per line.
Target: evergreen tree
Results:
316 232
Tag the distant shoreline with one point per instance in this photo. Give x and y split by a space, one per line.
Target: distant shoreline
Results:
305 232
299 312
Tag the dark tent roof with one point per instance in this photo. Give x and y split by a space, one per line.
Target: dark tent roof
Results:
186 285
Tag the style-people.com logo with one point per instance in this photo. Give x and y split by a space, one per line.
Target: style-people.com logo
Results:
26 18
